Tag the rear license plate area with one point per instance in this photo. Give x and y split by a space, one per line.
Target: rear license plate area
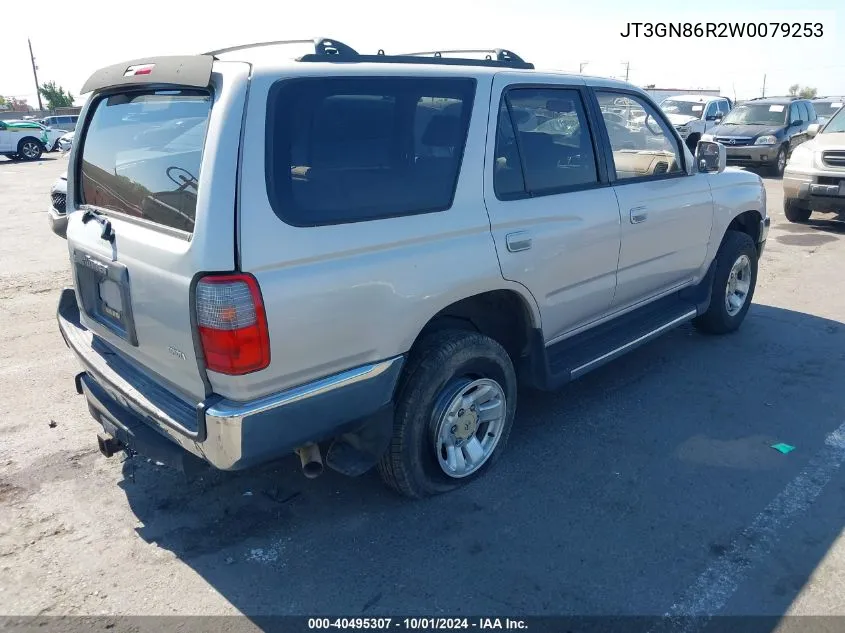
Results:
103 288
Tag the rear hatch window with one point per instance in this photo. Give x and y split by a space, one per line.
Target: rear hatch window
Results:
141 155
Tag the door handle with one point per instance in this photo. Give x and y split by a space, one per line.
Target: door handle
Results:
519 241
638 214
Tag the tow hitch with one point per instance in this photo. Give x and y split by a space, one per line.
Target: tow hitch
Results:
108 444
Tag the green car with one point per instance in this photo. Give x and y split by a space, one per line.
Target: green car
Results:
22 140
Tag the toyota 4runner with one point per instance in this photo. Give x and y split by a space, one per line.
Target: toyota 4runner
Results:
357 257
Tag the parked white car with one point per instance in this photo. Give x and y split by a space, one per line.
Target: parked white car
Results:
66 141
813 178
693 115
22 140
53 135
57 214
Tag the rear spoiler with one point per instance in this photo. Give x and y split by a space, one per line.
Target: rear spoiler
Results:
176 70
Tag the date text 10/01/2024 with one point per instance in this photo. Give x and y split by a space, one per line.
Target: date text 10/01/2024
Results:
419 623
723 29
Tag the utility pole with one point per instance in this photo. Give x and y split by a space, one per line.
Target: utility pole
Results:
581 67
627 68
35 74
764 85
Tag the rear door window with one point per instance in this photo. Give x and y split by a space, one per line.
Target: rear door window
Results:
802 111
362 148
543 143
141 155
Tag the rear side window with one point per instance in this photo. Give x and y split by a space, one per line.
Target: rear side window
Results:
811 112
141 155
802 111
362 148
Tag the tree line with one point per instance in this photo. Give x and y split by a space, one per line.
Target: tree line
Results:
54 97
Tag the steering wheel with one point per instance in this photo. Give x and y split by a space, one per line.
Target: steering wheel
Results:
181 177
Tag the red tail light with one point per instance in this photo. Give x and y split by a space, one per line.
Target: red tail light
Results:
232 324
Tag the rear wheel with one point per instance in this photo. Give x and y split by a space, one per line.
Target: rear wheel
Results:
794 212
733 285
454 411
30 149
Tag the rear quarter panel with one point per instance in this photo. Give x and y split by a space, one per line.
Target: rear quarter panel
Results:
344 295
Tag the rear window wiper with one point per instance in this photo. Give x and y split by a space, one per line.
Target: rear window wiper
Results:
107 232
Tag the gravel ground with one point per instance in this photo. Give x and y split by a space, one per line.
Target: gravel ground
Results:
648 487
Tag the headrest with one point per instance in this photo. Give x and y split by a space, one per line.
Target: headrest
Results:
442 131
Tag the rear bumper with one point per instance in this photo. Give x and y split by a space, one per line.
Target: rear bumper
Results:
229 435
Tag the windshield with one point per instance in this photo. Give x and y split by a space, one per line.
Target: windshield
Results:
757 114
141 155
827 108
689 108
836 124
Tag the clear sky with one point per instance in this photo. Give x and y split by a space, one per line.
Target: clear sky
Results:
71 39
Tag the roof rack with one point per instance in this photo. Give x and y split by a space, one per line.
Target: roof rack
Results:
332 50
503 56
790 97
323 47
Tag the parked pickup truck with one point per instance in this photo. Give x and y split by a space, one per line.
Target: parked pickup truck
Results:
694 115
359 262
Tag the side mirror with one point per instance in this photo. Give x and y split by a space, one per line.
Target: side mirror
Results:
813 129
710 157
798 122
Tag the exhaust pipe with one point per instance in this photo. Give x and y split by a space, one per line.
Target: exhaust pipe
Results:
312 463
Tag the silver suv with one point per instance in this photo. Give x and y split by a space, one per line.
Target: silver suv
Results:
357 257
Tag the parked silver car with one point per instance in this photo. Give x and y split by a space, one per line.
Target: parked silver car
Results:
359 261
66 122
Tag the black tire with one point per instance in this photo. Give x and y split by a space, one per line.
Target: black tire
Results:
692 142
777 167
30 149
717 320
436 365
794 212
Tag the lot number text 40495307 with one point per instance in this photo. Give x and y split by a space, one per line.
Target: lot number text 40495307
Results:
417 623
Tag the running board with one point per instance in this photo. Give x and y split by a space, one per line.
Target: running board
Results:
573 357
627 347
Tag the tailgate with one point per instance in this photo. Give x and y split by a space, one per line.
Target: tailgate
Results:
153 172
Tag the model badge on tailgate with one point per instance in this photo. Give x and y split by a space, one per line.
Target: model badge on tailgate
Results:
176 352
